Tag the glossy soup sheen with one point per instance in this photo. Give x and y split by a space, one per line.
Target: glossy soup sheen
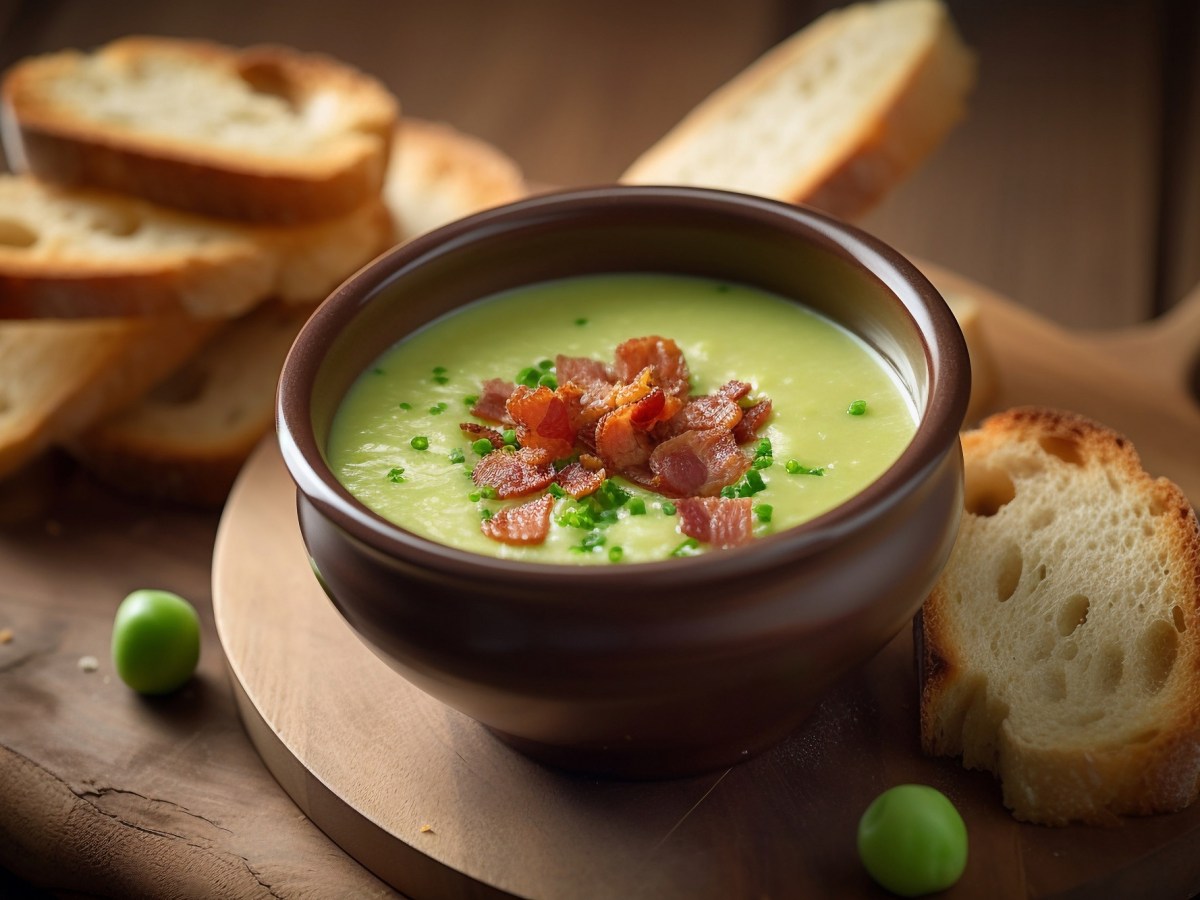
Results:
812 369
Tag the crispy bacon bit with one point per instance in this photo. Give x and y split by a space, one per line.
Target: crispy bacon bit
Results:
662 355
514 474
475 431
579 481
752 419
492 400
698 463
735 390
703 413
521 525
590 462
633 418
542 420
581 371
721 521
622 444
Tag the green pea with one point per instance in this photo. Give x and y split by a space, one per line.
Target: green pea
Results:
155 641
912 840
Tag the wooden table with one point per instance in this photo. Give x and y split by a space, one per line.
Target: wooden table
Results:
1073 189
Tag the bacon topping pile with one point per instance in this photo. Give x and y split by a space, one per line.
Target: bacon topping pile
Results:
633 418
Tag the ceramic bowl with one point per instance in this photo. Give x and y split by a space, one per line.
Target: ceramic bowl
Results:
654 669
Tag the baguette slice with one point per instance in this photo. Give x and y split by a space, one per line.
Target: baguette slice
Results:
187 437
438 174
186 440
1060 648
834 116
264 134
57 378
86 253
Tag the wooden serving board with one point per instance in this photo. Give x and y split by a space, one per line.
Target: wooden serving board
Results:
431 803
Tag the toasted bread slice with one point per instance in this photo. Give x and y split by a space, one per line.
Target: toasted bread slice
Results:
263 134
187 439
834 116
86 253
438 174
58 377
1060 648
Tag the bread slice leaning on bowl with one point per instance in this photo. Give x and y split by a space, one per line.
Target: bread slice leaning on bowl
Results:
1060 648
261 134
834 117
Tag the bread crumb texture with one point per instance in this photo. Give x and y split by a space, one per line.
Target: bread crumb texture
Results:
1061 647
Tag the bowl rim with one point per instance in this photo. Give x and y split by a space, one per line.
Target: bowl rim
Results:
936 432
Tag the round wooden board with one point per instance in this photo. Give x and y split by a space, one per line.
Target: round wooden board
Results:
431 803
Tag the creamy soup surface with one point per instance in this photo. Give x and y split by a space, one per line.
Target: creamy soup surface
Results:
396 443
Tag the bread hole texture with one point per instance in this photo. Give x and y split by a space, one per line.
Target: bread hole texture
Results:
987 490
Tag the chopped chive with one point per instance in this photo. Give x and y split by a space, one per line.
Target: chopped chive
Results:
485 514
763 448
690 547
528 376
482 446
457 456
754 482
615 554
795 467
546 365
611 495
470 400
636 506
547 379
405 405
763 511
592 539
440 379
857 408
763 462
581 321
668 508
379 370
437 409
439 370
487 492
555 490
396 475
723 288
474 496
607 516
509 436
420 442
729 492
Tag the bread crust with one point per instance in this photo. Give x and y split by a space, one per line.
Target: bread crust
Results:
1054 770
90 253
62 141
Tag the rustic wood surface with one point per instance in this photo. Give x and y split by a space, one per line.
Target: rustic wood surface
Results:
1073 189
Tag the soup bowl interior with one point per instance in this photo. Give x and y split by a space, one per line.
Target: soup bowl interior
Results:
652 669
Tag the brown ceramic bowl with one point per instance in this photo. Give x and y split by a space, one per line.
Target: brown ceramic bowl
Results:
654 669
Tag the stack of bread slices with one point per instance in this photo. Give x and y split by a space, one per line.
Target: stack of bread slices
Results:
173 212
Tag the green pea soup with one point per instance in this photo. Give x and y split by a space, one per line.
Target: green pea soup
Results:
396 445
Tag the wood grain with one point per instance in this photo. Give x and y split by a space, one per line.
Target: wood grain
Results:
436 807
